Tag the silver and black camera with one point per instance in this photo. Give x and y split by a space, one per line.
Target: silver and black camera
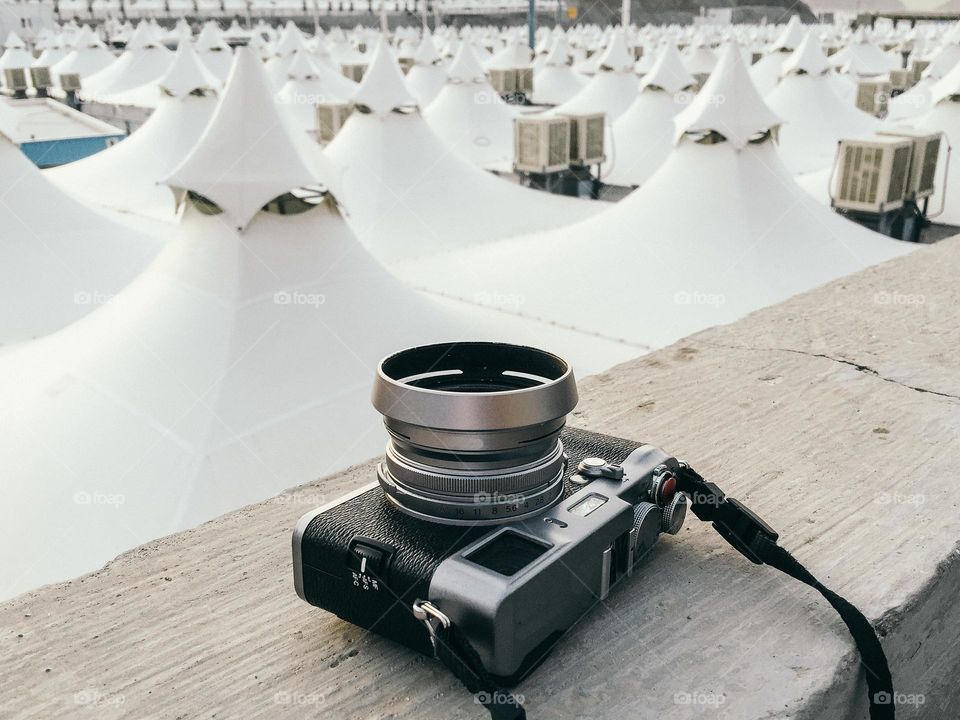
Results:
486 512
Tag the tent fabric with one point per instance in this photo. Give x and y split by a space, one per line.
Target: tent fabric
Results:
126 177
407 195
555 81
241 166
815 117
470 117
383 89
719 231
58 258
728 104
427 76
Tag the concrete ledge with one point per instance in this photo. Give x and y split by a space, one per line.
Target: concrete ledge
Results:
835 415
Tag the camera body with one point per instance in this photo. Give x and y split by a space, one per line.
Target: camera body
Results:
512 588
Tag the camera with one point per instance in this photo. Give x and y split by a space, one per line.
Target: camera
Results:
487 512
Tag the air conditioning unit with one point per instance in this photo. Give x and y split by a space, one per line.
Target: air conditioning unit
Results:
510 82
872 174
70 82
541 144
40 78
900 80
503 81
872 96
923 160
16 81
525 80
405 64
586 139
354 71
917 67
637 52
755 57
330 118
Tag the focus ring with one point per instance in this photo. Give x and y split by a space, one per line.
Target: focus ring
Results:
522 479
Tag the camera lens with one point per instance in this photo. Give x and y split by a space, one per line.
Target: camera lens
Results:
474 430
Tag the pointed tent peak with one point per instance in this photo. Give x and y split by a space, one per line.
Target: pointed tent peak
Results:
187 74
513 55
465 67
616 58
211 38
559 54
791 36
668 71
383 88
244 159
728 104
302 67
142 37
291 40
808 58
426 52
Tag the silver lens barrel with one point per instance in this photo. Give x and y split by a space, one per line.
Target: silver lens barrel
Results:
474 430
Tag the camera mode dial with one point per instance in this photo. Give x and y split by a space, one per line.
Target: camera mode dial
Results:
647 519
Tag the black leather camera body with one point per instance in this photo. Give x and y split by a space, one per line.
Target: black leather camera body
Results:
533 564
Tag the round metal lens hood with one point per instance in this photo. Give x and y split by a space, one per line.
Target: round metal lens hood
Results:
473 420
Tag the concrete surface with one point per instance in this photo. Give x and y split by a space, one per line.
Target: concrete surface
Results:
835 415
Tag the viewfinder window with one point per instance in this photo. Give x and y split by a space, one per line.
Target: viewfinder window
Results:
508 553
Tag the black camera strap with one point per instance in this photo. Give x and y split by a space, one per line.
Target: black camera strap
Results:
746 532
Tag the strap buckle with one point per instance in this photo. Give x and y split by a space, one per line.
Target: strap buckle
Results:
432 618
734 521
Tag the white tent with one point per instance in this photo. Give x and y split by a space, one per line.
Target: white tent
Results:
309 83
127 176
814 116
144 60
88 57
555 81
471 117
643 134
58 259
612 89
407 195
720 230
427 76
767 70
239 364
15 53
214 50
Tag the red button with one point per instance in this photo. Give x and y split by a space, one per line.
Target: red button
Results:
668 488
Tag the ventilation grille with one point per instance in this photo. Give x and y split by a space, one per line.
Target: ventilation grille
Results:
15 78
559 143
899 174
40 77
929 168
528 142
861 174
594 149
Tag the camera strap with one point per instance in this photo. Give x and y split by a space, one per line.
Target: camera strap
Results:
746 532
